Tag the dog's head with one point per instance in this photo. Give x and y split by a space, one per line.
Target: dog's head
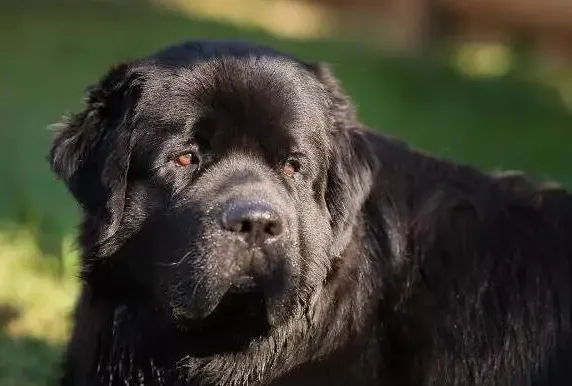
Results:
218 180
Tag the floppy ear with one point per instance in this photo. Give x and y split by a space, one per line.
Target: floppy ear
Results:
91 149
351 163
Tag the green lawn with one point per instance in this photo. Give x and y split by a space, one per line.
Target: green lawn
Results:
51 51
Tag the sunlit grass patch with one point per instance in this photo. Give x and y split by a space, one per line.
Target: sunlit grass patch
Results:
36 287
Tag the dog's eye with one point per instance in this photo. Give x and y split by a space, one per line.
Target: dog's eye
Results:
186 159
290 167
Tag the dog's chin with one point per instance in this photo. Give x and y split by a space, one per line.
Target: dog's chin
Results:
241 315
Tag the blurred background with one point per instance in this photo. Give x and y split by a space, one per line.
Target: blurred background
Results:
486 82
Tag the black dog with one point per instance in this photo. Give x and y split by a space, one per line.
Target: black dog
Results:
241 228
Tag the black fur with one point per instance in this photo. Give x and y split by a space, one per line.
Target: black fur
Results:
394 267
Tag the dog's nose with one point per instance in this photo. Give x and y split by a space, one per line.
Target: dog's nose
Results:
256 222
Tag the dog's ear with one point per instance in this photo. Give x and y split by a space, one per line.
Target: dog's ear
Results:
91 149
342 111
352 161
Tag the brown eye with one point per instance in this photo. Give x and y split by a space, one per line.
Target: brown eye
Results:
185 159
290 167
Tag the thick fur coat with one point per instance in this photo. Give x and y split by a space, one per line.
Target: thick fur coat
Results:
241 227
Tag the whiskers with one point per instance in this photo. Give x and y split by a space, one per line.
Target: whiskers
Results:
178 262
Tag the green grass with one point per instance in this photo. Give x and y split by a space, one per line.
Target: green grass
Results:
52 50
36 297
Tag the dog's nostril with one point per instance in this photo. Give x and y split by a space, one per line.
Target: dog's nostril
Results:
256 222
245 226
273 228
239 226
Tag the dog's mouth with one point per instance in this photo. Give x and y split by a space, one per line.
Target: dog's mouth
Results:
240 317
227 316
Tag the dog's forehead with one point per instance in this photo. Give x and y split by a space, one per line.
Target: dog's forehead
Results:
237 98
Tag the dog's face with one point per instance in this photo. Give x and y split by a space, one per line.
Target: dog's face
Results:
212 185
228 169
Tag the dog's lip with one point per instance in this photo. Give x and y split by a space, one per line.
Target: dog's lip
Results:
241 285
